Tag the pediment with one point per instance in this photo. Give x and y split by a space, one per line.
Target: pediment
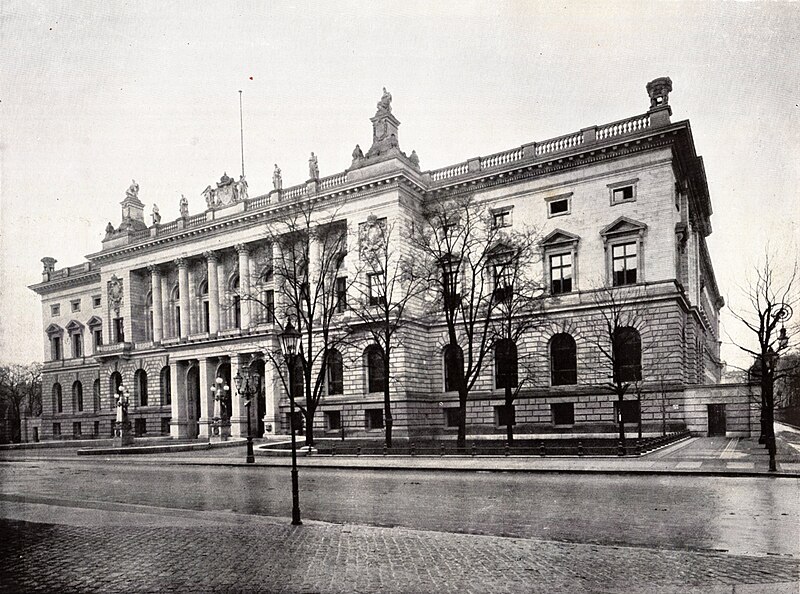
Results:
622 226
559 237
54 329
74 326
94 321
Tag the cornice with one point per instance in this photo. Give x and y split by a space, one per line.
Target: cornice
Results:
66 282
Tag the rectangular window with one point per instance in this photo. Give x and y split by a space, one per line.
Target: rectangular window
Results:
56 429
165 425
96 301
451 417
75 305
561 274
624 263
119 330
450 284
269 306
76 429
97 338
563 413
558 207
630 411
504 415
139 427
501 218
377 284
622 194
503 277
333 420
206 317
341 294
55 310
96 429
373 418
55 344
77 345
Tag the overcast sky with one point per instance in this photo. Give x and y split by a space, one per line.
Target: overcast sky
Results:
94 94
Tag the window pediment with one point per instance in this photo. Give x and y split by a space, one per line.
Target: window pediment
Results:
54 329
559 238
623 226
74 326
94 321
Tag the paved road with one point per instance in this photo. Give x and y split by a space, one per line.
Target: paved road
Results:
744 516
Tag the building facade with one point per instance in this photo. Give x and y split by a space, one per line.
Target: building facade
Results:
164 309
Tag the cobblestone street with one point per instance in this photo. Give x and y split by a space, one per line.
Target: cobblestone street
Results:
265 555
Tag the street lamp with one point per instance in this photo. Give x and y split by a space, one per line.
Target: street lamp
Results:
289 339
783 313
247 387
220 390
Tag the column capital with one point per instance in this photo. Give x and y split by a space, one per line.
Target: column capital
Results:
180 262
210 255
154 269
242 247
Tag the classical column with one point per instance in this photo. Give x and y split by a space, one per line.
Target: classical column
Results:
178 425
278 281
165 312
155 289
244 284
272 395
213 293
238 419
221 281
183 288
207 378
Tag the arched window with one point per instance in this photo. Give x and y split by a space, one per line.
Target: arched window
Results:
376 379
505 364
114 382
77 397
563 360
627 355
166 386
140 387
236 303
176 308
335 373
96 394
204 307
58 403
148 316
453 366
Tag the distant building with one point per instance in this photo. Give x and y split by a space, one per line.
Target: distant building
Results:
160 307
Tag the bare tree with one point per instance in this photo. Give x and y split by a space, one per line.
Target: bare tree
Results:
309 247
21 392
457 244
770 302
387 281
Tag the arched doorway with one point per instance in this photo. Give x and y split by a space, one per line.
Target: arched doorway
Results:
193 401
224 371
258 367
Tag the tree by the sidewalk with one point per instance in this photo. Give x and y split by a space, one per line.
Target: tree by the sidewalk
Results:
770 296
386 282
21 393
309 248
457 242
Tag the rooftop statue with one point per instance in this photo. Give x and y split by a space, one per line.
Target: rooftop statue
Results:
277 180
224 180
156 215
133 190
414 158
385 104
241 188
209 194
313 166
358 154
184 206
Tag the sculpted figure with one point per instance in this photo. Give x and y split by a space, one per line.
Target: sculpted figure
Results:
156 215
133 190
209 195
358 154
414 159
313 166
241 188
277 180
109 228
385 104
184 206
224 180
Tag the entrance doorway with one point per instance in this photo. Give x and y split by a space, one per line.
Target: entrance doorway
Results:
193 401
261 402
716 420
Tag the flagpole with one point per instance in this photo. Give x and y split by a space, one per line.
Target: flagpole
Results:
241 129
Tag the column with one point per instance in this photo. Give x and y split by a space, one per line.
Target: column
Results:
238 418
244 284
314 263
165 313
207 377
272 395
158 318
183 288
224 316
213 293
178 426
278 281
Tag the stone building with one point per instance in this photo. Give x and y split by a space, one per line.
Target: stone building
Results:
166 308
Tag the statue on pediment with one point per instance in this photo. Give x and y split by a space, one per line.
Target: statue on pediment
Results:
241 189
385 104
109 229
210 196
358 154
277 178
224 180
133 191
414 158
313 166
156 215
184 206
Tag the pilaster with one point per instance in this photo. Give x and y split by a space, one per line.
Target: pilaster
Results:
183 288
158 311
213 292
244 285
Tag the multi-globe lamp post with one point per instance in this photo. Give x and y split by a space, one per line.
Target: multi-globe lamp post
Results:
783 314
290 338
247 387
220 390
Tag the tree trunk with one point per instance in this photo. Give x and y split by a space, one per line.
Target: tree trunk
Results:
461 439
639 400
509 417
387 408
621 422
310 410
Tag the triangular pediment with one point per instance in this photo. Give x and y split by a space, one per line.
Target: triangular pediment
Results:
622 226
94 321
559 237
54 329
74 326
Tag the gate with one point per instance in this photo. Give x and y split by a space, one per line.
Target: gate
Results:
716 420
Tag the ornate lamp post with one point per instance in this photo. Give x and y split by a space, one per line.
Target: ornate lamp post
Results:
122 427
247 387
289 340
220 389
767 388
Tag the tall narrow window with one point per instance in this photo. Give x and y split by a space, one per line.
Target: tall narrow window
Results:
376 378
55 347
204 307
627 349
450 284
96 394
269 306
77 344
563 360
341 294
77 397
166 386
148 316
335 373
119 330
505 364
560 273
140 387
58 402
377 287
624 263
453 366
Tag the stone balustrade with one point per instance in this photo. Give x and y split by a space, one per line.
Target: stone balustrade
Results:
561 143
333 181
294 192
502 158
622 127
450 172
